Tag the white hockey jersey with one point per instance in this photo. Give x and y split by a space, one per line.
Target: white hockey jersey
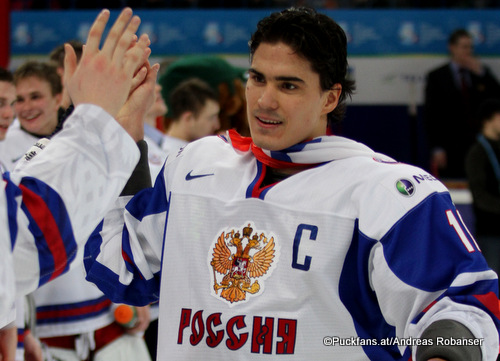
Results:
15 145
348 260
51 204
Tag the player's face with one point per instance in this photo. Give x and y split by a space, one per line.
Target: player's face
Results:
207 122
285 102
159 107
495 125
462 50
35 106
7 113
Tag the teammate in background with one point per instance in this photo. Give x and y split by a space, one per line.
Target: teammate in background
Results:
8 331
453 93
154 137
7 100
226 80
42 220
39 93
264 246
38 96
483 174
73 318
56 57
194 110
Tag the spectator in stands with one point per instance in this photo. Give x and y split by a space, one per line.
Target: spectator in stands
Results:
483 173
452 95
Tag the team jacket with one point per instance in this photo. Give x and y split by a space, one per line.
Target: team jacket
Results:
51 204
349 260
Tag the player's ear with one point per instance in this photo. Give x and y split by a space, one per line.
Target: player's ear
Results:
187 117
331 98
59 98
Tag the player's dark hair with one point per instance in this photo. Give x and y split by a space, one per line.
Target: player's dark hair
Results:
317 38
488 109
6 75
57 54
190 95
42 71
456 35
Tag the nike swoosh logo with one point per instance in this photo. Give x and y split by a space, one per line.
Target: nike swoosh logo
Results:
190 176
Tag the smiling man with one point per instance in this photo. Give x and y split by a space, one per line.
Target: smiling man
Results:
38 96
293 244
7 99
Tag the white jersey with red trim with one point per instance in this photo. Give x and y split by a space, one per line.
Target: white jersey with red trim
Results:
351 259
70 305
51 204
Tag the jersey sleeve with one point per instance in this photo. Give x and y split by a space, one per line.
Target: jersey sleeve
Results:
55 200
428 268
413 262
135 229
7 288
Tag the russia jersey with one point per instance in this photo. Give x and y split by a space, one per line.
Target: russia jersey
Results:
349 260
51 204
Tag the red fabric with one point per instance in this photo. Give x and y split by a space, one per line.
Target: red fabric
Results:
4 33
104 336
76 311
245 143
48 225
108 334
66 342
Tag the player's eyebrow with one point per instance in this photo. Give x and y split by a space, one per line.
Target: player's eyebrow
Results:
278 78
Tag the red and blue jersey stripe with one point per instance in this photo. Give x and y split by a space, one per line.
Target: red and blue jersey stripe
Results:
49 224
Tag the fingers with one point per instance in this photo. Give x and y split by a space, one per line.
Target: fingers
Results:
116 34
156 69
126 40
95 33
152 75
69 62
139 78
137 55
145 76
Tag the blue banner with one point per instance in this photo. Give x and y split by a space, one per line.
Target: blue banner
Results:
181 32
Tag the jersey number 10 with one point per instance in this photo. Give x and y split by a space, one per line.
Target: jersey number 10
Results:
459 226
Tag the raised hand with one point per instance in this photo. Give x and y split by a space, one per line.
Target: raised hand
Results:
141 98
104 76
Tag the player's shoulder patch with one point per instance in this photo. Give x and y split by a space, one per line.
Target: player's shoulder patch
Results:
419 180
405 187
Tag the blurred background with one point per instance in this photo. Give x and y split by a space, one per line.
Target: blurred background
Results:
331 4
392 45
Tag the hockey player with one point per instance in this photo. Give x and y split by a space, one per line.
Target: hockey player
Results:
51 204
75 320
297 244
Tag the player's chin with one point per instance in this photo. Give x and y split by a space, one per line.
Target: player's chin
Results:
270 142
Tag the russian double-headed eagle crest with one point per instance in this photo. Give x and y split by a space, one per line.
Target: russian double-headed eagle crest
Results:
238 259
